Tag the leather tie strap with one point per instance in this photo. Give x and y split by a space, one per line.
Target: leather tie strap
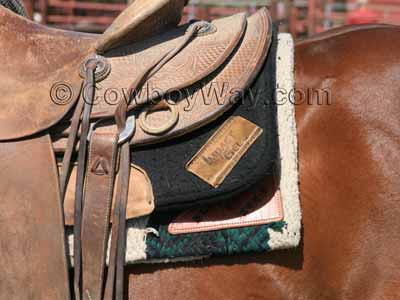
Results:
87 97
125 169
115 276
66 164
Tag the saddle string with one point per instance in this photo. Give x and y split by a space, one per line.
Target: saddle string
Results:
71 143
88 94
192 31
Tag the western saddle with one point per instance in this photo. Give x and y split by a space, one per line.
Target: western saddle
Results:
73 108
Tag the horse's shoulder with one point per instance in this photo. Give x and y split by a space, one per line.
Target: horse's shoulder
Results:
353 47
350 31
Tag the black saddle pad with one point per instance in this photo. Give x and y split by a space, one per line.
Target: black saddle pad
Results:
175 187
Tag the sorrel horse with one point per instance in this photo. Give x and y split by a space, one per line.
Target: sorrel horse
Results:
349 183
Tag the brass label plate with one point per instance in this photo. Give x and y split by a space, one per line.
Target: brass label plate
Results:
216 159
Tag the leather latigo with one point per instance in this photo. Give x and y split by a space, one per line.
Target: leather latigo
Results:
53 91
96 212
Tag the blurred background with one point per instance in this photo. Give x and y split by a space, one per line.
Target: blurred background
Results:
300 17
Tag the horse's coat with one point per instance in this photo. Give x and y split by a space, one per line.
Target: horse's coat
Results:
349 184
350 187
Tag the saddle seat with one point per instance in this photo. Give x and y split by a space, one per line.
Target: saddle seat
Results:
33 59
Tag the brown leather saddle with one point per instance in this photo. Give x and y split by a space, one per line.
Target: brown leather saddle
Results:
75 106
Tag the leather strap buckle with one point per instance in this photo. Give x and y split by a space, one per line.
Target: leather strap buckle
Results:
146 127
124 136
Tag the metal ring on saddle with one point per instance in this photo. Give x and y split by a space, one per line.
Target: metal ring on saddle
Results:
124 136
103 67
156 130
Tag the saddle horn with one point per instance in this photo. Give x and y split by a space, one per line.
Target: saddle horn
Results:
140 20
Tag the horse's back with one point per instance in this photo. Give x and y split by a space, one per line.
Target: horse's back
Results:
349 152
